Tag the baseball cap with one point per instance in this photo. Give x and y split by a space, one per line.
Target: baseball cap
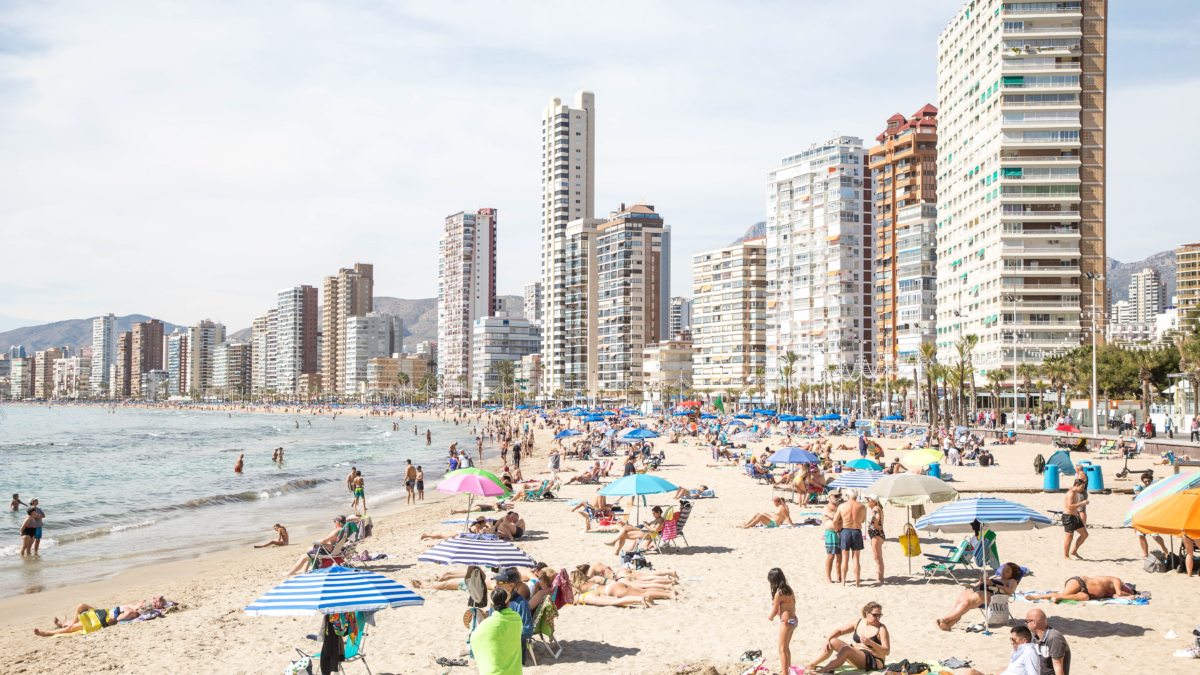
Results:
507 576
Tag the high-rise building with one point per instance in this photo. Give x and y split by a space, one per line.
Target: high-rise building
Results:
500 338
903 174
533 303
71 376
668 364
203 339
466 291
1187 277
1021 173
295 337
1124 313
231 362
415 366
568 177
16 351
529 381
569 364
43 372
177 362
1147 294
263 347
5 365
633 298
729 316
118 383
350 293
819 284
147 350
104 350
681 317
21 378
372 336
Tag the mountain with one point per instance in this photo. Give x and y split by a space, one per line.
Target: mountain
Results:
756 230
1119 274
70 333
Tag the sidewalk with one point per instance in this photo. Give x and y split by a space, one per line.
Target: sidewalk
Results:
1180 445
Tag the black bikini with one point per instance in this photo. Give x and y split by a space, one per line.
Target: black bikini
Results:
870 661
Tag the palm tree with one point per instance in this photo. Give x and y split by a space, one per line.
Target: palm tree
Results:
789 359
1026 371
402 380
505 375
902 384
995 378
1189 365
928 351
1145 360
759 381
1059 372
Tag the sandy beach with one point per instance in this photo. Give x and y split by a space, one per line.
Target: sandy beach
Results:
721 611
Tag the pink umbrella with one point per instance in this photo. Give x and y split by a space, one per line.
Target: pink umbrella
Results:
472 484
1066 428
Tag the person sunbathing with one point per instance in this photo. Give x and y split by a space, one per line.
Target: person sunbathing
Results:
896 467
281 538
586 476
323 546
870 644
107 617
782 514
510 527
615 589
621 574
646 584
973 598
498 506
630 533
684 493
476 527
843 446
1082 589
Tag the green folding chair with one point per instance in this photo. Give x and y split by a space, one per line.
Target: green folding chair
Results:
959 558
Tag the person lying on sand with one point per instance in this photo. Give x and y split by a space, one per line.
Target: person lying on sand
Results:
281 538
684 493
498 506
587 475
108 617
621 574
510 527
782 514
586 588
972 598
648 583
1083 589
476 527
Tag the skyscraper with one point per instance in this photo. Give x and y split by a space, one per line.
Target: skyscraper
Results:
375 335
104 350
1021 206
729 321
43 372
533 303
350 293
203 338
466 291
296 337
1187 277
147 352
568 194
819 284
264 339
681 317
119 374
1147 295
176 364
903 173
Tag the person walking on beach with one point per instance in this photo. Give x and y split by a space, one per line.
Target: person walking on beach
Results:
853 515
410 482
350 479
479 448
833 530
281 538
1071 520
420 484
783 605
237 468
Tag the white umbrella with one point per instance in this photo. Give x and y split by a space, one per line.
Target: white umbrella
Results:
910 489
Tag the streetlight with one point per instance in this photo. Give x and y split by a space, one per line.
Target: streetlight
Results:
1093 277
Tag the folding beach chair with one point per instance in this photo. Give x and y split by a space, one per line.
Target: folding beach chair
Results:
543 629
356 626
335 556
960 557
654 540
681 518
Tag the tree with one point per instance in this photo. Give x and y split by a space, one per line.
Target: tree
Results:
928 351
972 341
995 378
1026 371
1059 372
1189 365
402 380
789 359
760 381
506 374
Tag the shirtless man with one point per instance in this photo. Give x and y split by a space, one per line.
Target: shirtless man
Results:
410 482
1083 589
598 504
237 468
850 540
510 527
782 515
350 479
358 492
1072 521
428 437
833 529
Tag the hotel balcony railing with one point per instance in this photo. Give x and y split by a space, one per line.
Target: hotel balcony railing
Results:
1018 250
1045 66
1039 214
1042 10
1042 29
1040 103
1049 304
1019 228
1041 158
1058 288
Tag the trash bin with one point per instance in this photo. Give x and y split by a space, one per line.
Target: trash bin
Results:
1095 479
935 470
1050 479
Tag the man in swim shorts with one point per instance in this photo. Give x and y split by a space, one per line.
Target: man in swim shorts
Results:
833 527
850 539
359 485
410 482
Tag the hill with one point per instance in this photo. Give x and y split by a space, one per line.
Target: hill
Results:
753 232
69 333
1119 273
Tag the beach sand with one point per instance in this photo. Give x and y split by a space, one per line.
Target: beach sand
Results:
721 612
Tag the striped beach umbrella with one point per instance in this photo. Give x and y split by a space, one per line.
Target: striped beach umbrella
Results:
856 479
333 590
485 550
1165 487
997 514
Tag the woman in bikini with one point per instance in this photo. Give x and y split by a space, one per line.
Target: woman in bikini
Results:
875 531
616 589
783 605
973 598
585 594
628 532
869 646
659 583
622 574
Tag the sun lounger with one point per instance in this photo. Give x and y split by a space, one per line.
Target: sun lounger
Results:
959 558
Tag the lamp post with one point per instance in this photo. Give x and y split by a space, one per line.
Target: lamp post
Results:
1093 277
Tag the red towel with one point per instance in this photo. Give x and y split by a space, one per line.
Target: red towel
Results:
562 584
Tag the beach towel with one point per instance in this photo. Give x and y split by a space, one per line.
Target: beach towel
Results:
565 594
496 644
1136 600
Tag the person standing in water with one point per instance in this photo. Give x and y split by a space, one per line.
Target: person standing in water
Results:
428 437
358 491
350 479
420 484
237 468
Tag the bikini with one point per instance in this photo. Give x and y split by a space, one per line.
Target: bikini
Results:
870 662
875 528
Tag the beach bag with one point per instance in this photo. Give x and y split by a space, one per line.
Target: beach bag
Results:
1154 563
90 622
910 544
632 560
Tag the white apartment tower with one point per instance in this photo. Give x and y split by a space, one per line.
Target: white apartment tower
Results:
819 285
1147 295
681 317
466 291
1020 179
264 343
295 337
533 303
203 339
376 335
729 324
104 350
568 195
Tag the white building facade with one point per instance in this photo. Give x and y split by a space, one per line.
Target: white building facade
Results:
729 321
466 291
376 335
500 338
104 350
533 303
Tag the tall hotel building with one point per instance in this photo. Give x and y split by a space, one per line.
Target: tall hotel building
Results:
104 350
903 168
568 181
175 359
295 338
350 293
264 343
1147 294
729 315
203 339
147 353
533 303
466 292
1021 151
1187 277
819 283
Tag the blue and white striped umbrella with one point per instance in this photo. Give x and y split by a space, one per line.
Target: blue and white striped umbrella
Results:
333 590
856 479
998 514
485 550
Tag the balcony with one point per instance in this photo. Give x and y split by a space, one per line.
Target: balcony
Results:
1040 215
1025 270
1040 304
1042 10
1041 30
1010 159
1055 288
1072 65
1074 103
1011 229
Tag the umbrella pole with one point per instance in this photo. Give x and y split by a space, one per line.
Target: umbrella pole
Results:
470 498
908 521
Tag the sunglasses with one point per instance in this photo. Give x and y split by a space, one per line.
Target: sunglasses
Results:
876 614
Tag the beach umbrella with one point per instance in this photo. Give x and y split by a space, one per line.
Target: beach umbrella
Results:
735 423
829 418
1066 429
923 456
568 432
793 418
893 418
333 590
708 416
908 490
856 479
691 404
484 550
636 434
636 485
1160 489
793 456
743 416
997 514
1175 514
473 482
745 437
763 412
864 463
582 413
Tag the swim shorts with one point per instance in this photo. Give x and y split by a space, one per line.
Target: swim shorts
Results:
38 535
358 492
831 542
1072 522
421 486
409 483
851 539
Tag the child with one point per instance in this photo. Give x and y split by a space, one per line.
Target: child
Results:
783 605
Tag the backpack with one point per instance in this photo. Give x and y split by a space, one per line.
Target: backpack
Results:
1039 464
1155 563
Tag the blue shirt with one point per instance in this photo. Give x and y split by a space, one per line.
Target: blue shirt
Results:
1025 660
453 464
520 605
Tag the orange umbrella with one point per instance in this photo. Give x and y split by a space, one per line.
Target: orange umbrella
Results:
1172 515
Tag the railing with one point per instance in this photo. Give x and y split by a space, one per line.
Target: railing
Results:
1055 141
1056 269
1017 228
1041 29
1047 177
1030 214
1046 10
1041 158
1046 66
1042 103
1034 303
1036 122
1040 287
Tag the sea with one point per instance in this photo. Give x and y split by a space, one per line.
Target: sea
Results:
136 487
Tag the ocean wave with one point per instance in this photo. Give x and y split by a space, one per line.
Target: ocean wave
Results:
102 531
15 550
249 495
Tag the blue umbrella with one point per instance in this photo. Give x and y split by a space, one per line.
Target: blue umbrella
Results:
793 418
637 484
828 418
997 514
639 433
485 550
856 479
333 590
793 456
1062 459
680 414
763 412
864 463
582 413
568 432
707 416
743 416
735 423
892 418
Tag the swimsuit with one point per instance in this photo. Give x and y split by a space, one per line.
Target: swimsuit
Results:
871 662
875 528
583 597
358 492
851 539
1082 586
421 485
831 542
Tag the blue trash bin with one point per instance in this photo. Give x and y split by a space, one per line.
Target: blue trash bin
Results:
1050 479
1095 479
935 470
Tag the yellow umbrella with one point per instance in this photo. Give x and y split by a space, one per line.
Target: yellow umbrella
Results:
923 456
1172 515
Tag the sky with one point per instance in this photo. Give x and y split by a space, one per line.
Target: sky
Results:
186 160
